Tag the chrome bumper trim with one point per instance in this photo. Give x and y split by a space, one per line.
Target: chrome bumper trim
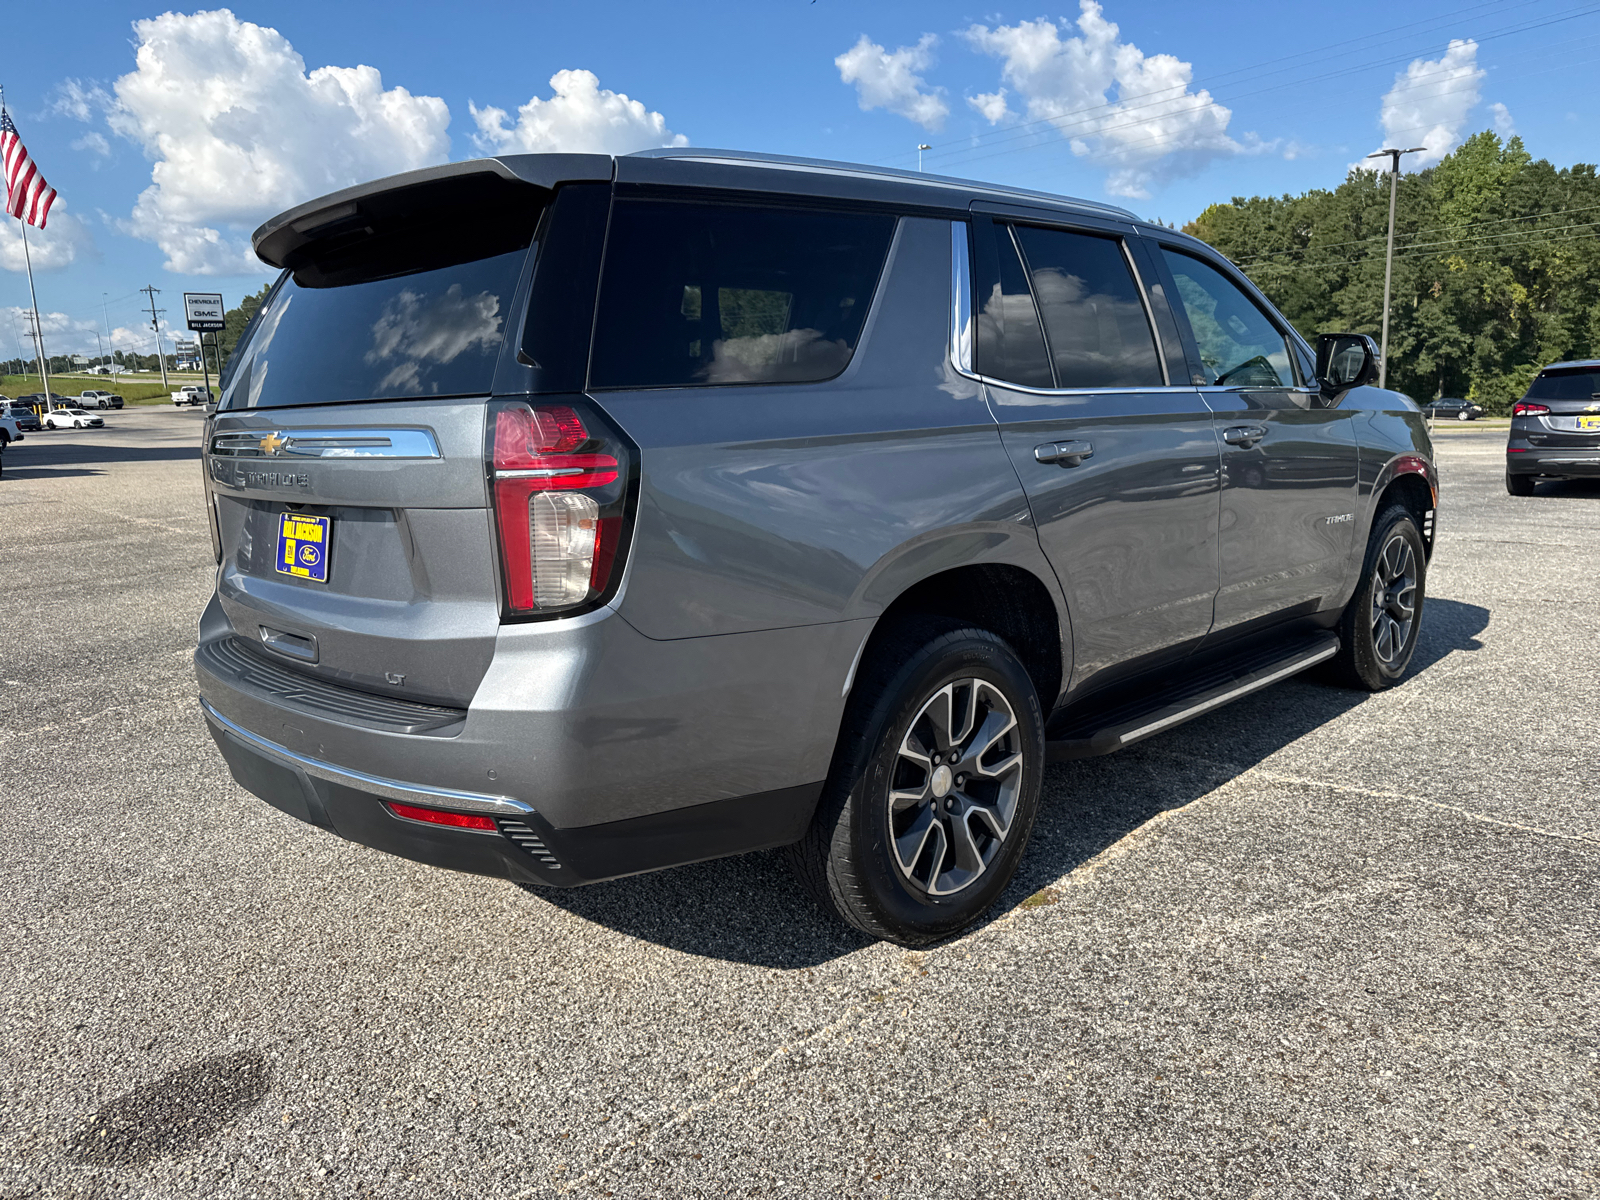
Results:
389 789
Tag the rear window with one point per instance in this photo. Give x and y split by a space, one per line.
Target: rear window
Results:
1568 383
697 293
430 333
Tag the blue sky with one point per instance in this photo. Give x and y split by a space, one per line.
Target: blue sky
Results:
171 134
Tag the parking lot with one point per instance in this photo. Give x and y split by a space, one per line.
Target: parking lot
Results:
1315 944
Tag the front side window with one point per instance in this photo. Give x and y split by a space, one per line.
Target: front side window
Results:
1094 318
698 293
1239 346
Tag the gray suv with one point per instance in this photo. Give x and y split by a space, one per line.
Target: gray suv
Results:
578 516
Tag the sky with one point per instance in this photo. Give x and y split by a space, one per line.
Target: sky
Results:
171 134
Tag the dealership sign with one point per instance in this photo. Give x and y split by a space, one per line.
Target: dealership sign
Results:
204 311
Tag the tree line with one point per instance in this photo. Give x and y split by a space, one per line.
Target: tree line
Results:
1496 266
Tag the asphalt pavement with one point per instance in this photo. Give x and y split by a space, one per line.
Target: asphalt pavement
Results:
1316 944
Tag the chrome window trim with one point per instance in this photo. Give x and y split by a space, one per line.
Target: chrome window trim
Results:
389 789
961 330
329 443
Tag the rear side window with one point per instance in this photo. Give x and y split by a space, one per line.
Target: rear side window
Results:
698 293
1567 383
1094 318
1010 342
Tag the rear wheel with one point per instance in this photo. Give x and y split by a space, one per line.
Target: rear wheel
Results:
933 789
1463 415
1519 485
1378 632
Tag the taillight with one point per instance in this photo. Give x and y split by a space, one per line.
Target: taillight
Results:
559 491
1523 408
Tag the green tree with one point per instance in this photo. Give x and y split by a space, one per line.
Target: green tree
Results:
1496 267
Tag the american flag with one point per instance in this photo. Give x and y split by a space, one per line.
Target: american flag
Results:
28 196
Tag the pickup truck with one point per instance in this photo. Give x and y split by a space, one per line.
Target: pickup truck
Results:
8 433
191 393
95 398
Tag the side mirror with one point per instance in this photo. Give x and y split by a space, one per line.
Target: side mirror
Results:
1345 361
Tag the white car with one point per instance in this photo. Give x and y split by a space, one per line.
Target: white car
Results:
72 418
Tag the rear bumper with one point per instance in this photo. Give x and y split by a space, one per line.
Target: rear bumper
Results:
523 847
1563 461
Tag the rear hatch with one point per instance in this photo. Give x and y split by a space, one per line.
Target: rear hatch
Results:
1562 408
345 462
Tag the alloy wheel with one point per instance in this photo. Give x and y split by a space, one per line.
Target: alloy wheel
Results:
1394 599
953 795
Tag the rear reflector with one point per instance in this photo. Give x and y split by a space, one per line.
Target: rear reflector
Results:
434 816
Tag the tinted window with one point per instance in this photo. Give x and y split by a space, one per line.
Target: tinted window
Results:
1010 344
1571 383
713 293
1239 346
1094 318
431 333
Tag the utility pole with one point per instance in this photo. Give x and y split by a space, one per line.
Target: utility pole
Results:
105 312
1388 258
920 149
155 323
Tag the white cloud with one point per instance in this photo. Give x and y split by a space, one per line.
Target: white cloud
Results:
63 241
1429 103
991 105
62 334
582 117
239 130
93 142
1120 108
80 101
891 81
1503 124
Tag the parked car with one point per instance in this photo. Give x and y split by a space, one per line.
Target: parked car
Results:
1555 427
72 418
1453 408
27 420
191 394
94 398
777 503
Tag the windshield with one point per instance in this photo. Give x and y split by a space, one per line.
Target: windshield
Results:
430 333
1569 383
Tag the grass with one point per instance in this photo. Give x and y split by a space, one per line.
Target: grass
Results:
133 391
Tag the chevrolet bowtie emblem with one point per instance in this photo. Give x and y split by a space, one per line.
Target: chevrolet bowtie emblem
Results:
272 443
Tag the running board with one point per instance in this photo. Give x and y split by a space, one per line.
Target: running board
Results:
1125 724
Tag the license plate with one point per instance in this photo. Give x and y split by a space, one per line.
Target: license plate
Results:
1588 423
303 545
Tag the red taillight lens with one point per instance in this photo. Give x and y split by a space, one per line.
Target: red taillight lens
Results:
1523 408
558 504
435 816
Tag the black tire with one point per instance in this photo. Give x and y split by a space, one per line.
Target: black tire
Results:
1519 485
1367 659
1463 415
850 858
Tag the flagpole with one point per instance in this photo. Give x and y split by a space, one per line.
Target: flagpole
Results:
38 318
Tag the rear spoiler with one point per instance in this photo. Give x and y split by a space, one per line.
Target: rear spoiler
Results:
455 190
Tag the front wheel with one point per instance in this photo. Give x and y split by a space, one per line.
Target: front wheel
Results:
1463 415
1379 628
933 789
1519 485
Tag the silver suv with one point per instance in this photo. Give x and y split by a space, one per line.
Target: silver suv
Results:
579 516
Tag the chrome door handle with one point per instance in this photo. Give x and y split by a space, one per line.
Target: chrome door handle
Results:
1067 454
1243 435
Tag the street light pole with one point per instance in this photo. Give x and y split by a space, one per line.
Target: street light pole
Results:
920 149
1388 258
